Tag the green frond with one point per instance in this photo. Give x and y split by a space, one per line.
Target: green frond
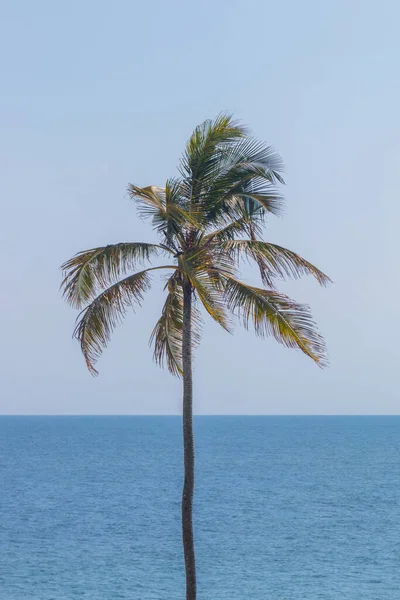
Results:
250 223
246 170
166 207
275 314
203 276
264 195
265 271
228 203
167 334
92 270
250 153
97 322
253 212
277 261
223 168
181 216
229 232
150 200
204 147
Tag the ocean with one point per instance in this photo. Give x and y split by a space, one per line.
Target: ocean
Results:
286 508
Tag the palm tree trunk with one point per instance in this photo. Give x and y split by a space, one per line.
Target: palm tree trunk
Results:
188 446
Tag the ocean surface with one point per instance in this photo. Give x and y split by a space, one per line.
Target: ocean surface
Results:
286 508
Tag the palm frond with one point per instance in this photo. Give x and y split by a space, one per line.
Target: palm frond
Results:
275 314
166 207
249 222
253 212
203 154
246 169
251 153
229 232
204 146
97 321
277 261
228 203
199 269
265 271
182 217
167 334
91 270
150 200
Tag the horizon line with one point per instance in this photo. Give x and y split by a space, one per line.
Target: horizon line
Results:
201 415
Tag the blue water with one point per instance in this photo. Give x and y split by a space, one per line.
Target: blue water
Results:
286 508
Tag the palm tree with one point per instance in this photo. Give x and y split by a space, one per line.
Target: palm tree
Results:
207 219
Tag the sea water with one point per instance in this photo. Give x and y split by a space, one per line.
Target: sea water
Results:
286 508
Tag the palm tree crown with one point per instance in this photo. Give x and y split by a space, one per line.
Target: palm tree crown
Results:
207 219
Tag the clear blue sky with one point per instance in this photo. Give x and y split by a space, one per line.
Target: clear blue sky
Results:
97 94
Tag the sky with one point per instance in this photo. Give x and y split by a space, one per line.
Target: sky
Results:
97 94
